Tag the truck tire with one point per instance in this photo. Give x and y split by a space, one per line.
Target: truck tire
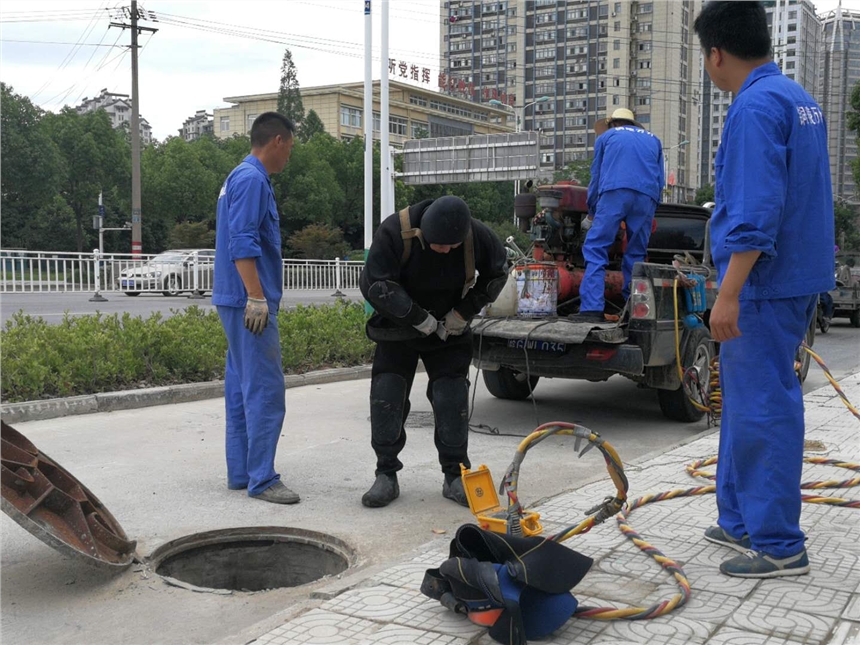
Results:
506 383
802 357
696 349
855 318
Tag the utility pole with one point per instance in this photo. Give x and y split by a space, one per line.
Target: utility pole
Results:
136 231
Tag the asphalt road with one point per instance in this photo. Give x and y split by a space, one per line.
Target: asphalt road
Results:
53 306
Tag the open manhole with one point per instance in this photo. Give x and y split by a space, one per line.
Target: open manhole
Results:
252 559
50 502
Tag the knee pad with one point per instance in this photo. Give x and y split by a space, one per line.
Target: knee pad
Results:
450 400
387 407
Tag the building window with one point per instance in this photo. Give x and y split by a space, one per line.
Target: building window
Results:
350 116
643 100
644 64
646 7
544 70
644 27
643 82
419 129
617 26
603 11
545 54
544 88
616 63
616 45
376 121
616 100
547 158
645 47
397 125
251 119
617 7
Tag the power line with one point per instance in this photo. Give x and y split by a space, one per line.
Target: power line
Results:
53 42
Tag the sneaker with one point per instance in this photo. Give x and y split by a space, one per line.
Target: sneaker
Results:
385 490
717 535
754 564
452 489
277 493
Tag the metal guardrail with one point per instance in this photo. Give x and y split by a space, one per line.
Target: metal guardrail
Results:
192 272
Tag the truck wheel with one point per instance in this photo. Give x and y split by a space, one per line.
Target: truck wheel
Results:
855 318
802 359
506 383
696 351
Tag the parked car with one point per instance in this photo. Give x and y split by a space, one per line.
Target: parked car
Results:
171 272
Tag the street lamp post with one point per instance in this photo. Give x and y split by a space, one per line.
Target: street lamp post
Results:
666 162
519 113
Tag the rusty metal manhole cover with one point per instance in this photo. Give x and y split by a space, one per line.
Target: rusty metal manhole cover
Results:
53 505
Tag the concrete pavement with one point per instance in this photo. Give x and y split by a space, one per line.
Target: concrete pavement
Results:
160 471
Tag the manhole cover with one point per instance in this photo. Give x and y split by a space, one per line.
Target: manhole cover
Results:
252 559
47 500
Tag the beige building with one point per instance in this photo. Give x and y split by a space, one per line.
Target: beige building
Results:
413 112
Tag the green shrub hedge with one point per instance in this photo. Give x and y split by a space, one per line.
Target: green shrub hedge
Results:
99 353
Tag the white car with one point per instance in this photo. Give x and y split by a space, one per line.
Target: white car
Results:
170 272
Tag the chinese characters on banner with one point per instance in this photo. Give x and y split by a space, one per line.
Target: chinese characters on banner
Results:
450 84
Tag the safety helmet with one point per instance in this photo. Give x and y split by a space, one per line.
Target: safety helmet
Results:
446 221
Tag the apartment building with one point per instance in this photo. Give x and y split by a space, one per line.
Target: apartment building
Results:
841 73
796 38
559 66
118 108
196 126
414 112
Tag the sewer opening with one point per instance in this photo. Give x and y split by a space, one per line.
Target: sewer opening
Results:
252 559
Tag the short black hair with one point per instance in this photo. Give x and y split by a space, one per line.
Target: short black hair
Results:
739 28
269 125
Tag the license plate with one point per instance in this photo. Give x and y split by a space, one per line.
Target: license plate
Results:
128 283
537 345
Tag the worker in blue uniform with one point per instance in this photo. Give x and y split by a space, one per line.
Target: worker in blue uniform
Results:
247 293
772 244
626 180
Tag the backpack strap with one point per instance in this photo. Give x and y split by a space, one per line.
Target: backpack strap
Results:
407 233
469 259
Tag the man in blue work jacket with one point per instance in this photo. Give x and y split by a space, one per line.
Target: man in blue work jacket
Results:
626 180
247 293
772 244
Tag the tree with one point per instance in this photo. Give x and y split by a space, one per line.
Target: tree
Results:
32 173
320 242
192 235
847 229
578 171
705 194
853 117
289 96
310 126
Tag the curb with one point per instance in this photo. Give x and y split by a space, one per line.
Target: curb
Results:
165 395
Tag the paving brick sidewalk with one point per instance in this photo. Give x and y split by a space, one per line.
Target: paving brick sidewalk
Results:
820 608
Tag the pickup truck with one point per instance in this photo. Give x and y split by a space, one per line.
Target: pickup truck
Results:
515 351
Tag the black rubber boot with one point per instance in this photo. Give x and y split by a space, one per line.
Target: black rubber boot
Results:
384 491
453 489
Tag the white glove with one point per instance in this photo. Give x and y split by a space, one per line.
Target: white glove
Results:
441 332
256 315
428 325
586 224
454 323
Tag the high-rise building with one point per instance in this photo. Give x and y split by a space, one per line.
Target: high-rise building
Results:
560 66
841 57
196 126
796 39
118 108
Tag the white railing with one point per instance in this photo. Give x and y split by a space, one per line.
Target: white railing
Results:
49 271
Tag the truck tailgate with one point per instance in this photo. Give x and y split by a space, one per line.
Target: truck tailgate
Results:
556 330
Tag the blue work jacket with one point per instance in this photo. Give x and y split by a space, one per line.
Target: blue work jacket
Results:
773 191
626 157
247 226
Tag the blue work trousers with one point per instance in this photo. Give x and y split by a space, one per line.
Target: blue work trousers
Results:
613 207
761 433
255 400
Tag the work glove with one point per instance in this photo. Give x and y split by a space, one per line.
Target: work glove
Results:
428 325
256 315
441 332
586 224
454 323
